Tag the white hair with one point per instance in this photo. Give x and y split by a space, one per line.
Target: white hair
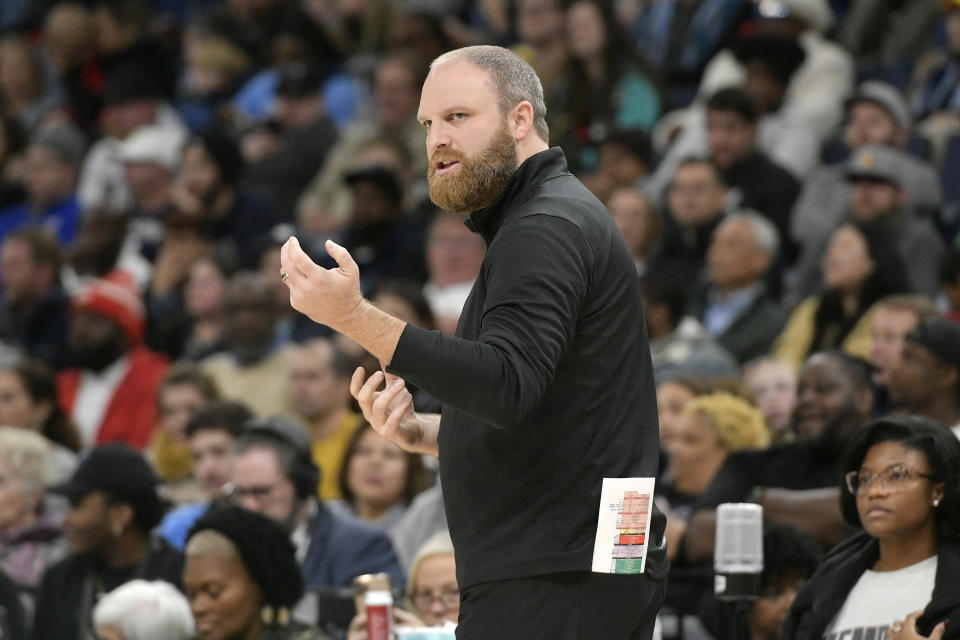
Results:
439 544
764 233
29 455
142 610
512 77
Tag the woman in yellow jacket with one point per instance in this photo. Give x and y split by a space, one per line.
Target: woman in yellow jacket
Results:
860 267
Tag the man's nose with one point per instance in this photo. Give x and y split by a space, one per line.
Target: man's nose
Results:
437 138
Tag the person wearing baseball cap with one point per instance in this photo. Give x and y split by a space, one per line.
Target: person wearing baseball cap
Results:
133 98
876 114
927 380
818 87
877 195
114 505
110 388
885 120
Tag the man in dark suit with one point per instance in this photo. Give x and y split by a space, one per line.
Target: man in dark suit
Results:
735 307
274 474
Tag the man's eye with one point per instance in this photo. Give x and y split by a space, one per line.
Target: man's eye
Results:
459 116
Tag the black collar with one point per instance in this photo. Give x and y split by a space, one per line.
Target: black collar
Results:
522 183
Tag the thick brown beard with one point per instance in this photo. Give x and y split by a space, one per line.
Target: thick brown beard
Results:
481 178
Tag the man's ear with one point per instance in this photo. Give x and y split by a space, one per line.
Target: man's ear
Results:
120 517
521 120
762 261
949 376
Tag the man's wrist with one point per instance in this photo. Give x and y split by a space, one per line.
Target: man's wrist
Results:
372 328
353 318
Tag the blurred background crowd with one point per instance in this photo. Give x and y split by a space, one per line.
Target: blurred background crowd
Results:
785 173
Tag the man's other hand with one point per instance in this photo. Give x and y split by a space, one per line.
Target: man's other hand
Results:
390 412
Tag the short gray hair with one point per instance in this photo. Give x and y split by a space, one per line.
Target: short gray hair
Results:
512 76
764 233
142 610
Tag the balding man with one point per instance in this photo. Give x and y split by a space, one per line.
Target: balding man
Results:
547 387
735 307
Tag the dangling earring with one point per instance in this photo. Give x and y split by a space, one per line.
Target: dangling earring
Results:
936 502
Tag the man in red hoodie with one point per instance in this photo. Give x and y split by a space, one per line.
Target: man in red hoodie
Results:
110 389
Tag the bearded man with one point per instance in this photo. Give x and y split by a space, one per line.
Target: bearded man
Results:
110 388
547 387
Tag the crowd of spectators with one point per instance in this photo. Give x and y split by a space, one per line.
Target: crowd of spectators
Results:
786 177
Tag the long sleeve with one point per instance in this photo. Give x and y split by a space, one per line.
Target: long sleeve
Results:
536 278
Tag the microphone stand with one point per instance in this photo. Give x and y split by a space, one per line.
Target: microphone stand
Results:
737 611
738 562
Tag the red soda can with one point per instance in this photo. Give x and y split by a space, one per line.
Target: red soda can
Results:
379 606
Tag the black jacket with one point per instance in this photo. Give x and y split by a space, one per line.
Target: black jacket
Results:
824 594
769 189
548 386
70 589
40 328
12 622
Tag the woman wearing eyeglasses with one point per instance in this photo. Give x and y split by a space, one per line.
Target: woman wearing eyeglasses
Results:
433 595
898 576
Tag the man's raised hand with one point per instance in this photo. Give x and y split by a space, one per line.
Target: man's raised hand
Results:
327 296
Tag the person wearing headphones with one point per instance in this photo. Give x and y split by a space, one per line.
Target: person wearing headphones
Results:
274 475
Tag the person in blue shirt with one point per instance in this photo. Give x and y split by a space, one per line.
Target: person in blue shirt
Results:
52 164
211 433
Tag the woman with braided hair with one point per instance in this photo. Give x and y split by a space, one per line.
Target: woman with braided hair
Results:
242 578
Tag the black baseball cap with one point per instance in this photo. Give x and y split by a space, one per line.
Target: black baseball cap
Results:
940 336
115 468
297 80
380 176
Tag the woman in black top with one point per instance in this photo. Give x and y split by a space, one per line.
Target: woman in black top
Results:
902 484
